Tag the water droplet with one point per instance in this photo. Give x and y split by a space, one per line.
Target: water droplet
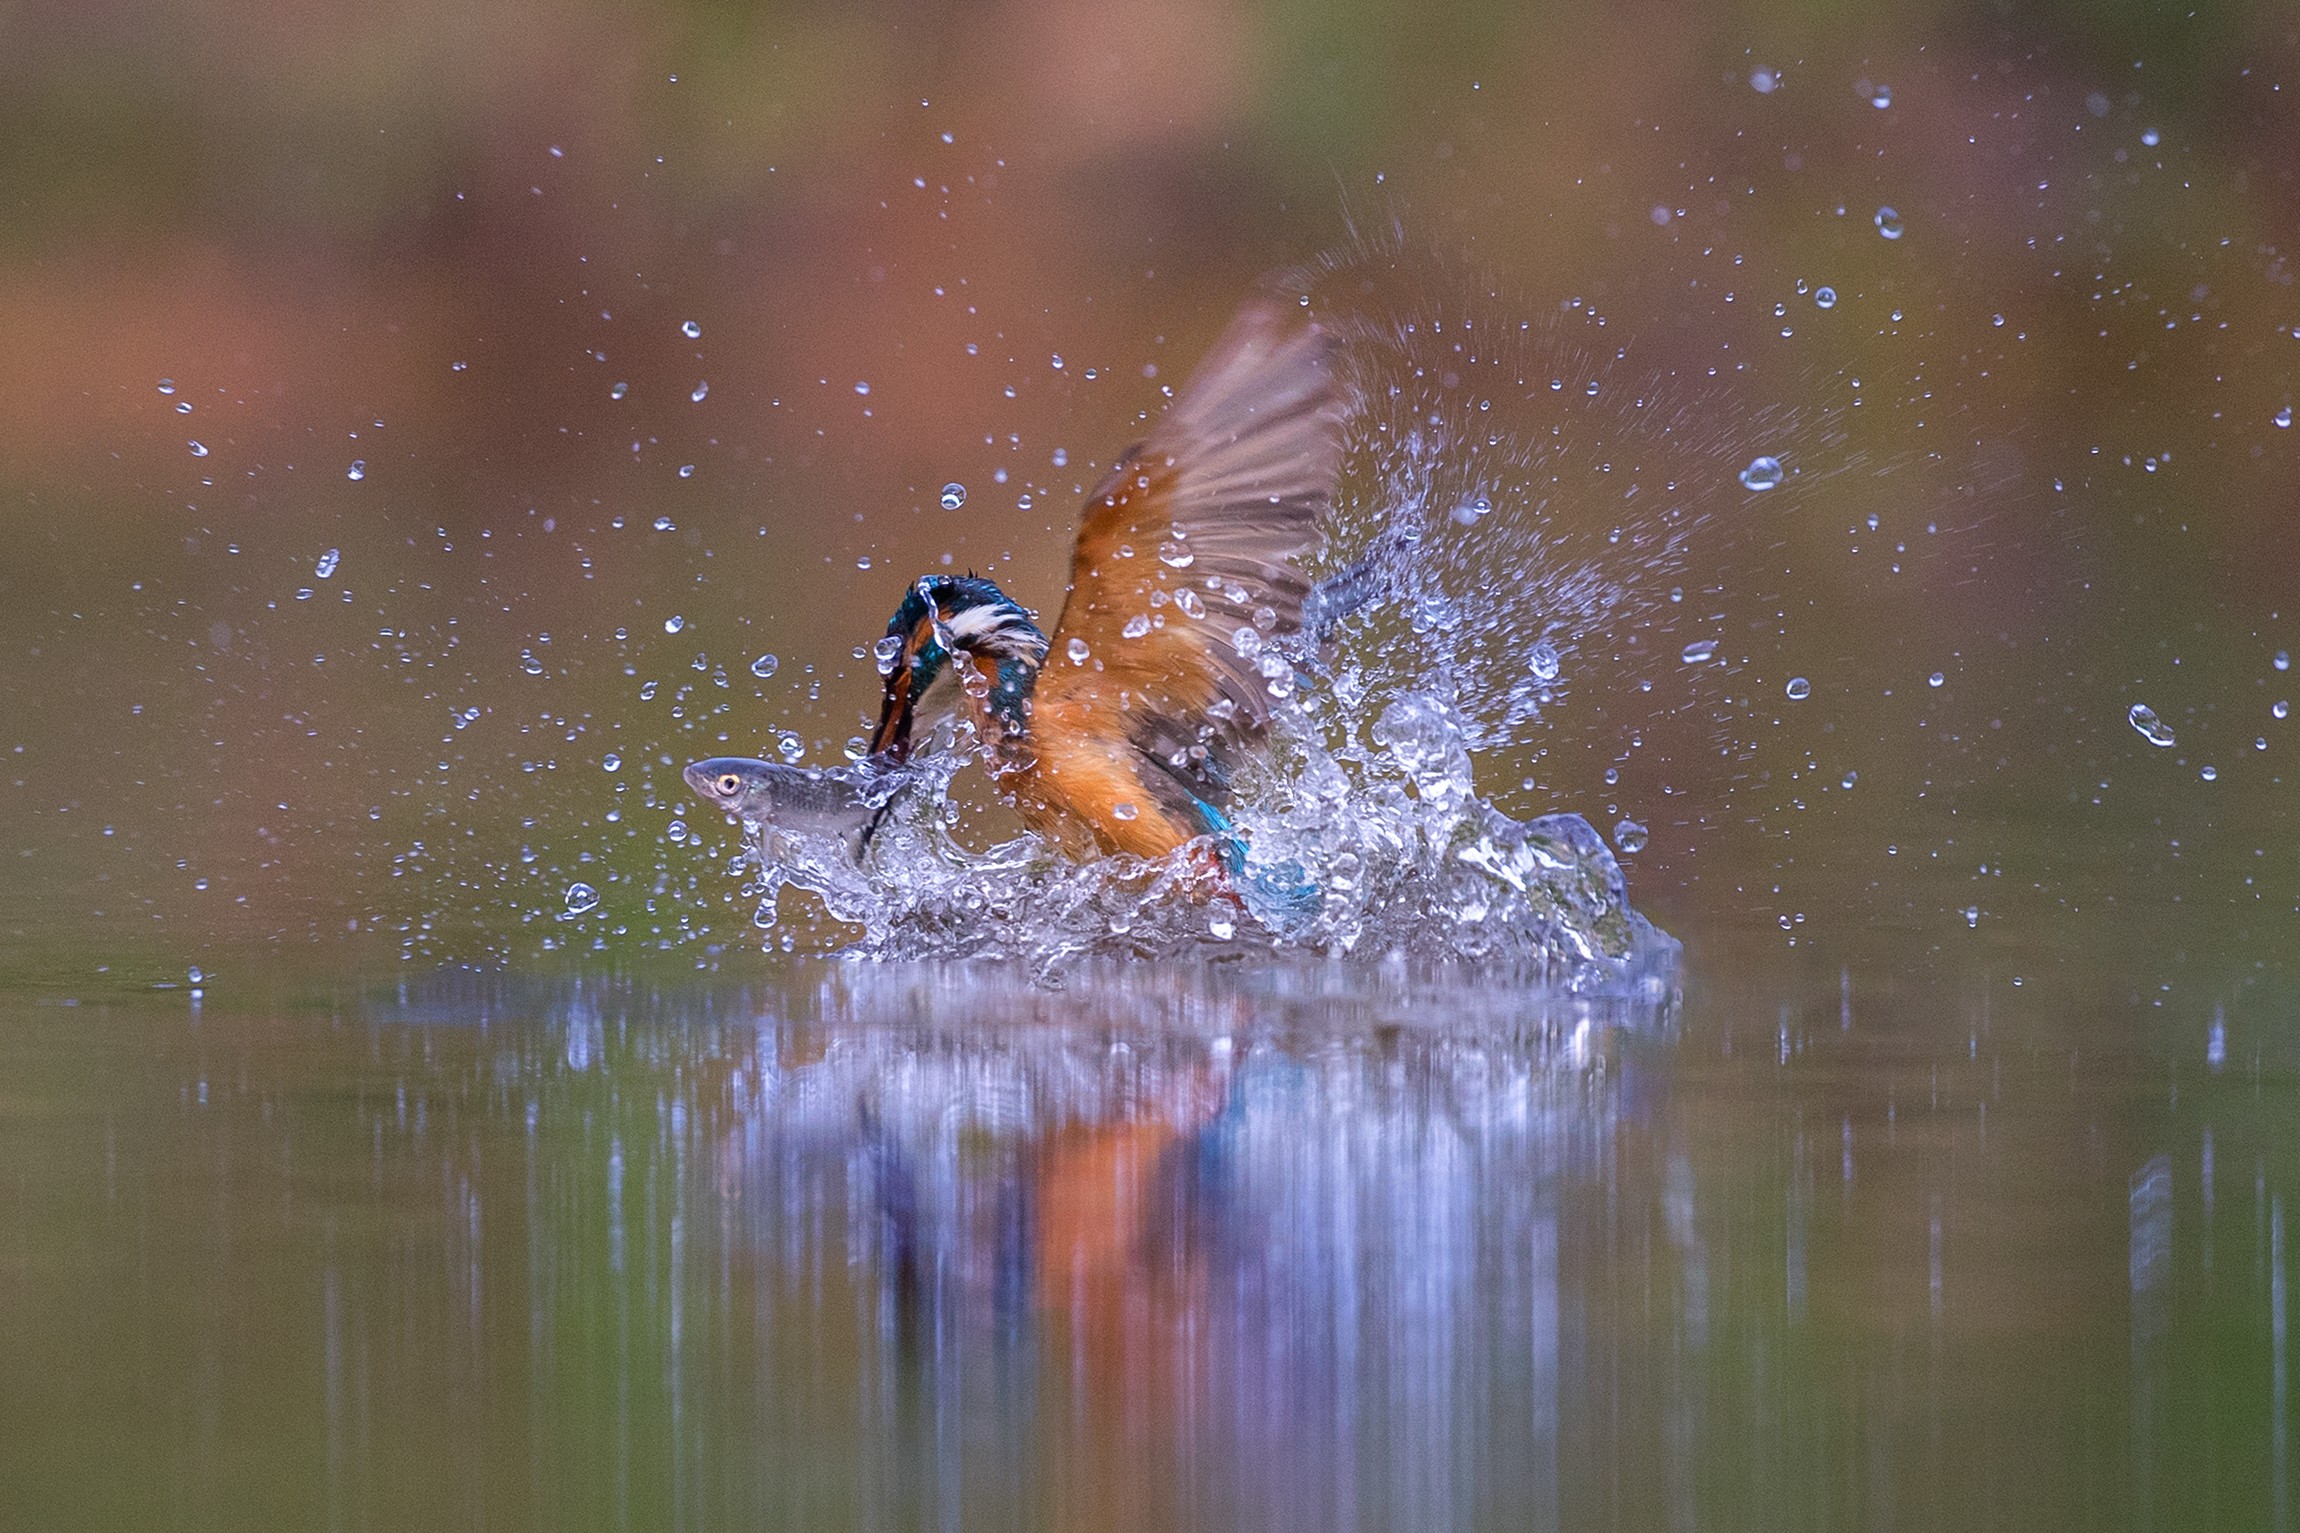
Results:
1798 689
1543 661
2152 729
1888 223
663 524
1630 837
2283 418
1123 811
701 392
1972 915
2282 660
861 387
1882 97
196 975
328 562
1190 602
1763 473
1176 554
765 666
1936 679
357 471
580 898
1824 298
1078 650
677 831
1764 81
647 691
1699 652
619 391
2210 774
1136 626
303 593
1849 779
2150 137
167 385
199 449
691 330
674 623
2282 708
611 762
953 496
886 653
863 563
686 471
1247 642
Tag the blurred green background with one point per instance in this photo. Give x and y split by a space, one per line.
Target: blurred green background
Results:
562 323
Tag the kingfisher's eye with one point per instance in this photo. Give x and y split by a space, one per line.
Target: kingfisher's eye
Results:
729 784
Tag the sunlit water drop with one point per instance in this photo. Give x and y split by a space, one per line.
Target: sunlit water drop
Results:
1888 223
953 496
1631 837
1543 661
581 898
674 623
328 562
702 391
1763 473
2210 774
1798 689
691 330
1699 652
357 471
1824 297
765 666
2152 729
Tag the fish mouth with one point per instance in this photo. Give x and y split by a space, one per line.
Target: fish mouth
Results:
699 780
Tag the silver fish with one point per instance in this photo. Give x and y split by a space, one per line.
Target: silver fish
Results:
801 801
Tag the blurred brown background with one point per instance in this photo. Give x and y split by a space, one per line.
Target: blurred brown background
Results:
251 250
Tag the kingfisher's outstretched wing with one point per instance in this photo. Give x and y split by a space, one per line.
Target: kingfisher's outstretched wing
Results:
1193 537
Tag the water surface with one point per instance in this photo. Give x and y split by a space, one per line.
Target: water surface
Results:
850 1246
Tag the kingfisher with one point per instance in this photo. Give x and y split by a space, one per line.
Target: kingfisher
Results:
1186 602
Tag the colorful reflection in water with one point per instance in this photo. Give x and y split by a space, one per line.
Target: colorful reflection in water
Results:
915 1248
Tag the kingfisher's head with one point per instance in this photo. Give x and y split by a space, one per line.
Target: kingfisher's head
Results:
943 614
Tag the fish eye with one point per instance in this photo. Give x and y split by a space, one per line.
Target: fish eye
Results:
729 784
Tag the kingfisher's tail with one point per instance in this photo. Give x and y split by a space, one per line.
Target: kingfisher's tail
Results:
1279 895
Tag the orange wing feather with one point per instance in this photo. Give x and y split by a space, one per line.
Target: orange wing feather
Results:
1192 537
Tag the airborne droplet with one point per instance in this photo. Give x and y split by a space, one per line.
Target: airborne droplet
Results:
2152 729
1888 223
1763 473
580 898
953 496
1630 836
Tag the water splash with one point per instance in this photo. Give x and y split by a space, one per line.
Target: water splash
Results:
1398 782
